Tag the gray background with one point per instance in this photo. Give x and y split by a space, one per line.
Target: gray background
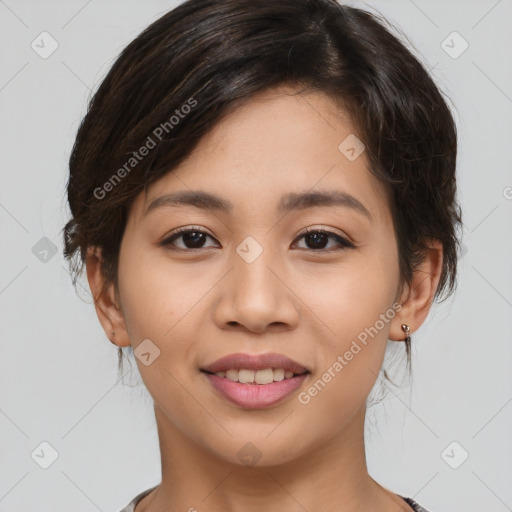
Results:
58 380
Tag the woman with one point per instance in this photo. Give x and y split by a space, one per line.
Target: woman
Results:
263 195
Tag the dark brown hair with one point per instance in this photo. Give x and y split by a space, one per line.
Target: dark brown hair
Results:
203 59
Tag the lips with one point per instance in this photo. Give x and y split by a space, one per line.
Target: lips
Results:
255 396
255 362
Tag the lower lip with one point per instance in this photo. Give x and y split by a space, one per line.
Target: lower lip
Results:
255 396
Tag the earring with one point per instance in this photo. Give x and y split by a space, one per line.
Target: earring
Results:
406 329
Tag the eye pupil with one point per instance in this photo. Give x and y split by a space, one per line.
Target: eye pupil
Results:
319 239
195 238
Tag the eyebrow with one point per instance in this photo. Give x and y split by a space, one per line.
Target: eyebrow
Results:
288 202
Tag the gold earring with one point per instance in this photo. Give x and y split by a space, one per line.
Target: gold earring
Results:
406 329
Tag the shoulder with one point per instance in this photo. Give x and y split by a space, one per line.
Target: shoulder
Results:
415 506
131 506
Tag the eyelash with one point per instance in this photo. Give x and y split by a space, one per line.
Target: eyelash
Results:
344 243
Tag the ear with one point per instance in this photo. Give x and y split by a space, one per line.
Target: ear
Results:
108 310
417 297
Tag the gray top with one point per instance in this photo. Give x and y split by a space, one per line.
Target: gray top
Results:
131 506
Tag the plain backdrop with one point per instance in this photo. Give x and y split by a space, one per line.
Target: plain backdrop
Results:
443 440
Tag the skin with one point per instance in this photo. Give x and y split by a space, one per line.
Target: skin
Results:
304 302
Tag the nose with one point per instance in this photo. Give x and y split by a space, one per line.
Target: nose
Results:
256 296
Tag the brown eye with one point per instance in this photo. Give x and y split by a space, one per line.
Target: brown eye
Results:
191 238
318 239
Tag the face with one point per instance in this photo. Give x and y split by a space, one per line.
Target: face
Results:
258 271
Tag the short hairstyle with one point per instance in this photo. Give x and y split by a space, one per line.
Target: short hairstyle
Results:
200 61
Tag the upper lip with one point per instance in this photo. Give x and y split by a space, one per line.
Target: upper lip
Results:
255 362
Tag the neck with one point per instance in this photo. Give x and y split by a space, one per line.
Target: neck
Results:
331 476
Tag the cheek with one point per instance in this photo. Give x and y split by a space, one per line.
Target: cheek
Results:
144 301
351 297
355 308
158 305
155 294
164 302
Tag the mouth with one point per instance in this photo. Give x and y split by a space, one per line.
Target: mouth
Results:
252 395
255 381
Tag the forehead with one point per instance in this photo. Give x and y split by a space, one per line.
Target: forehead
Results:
280 141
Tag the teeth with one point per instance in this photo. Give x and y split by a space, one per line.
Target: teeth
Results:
256 376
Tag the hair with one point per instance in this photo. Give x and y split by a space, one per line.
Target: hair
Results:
202 60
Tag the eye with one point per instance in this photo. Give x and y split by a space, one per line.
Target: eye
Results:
192 238
319 238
